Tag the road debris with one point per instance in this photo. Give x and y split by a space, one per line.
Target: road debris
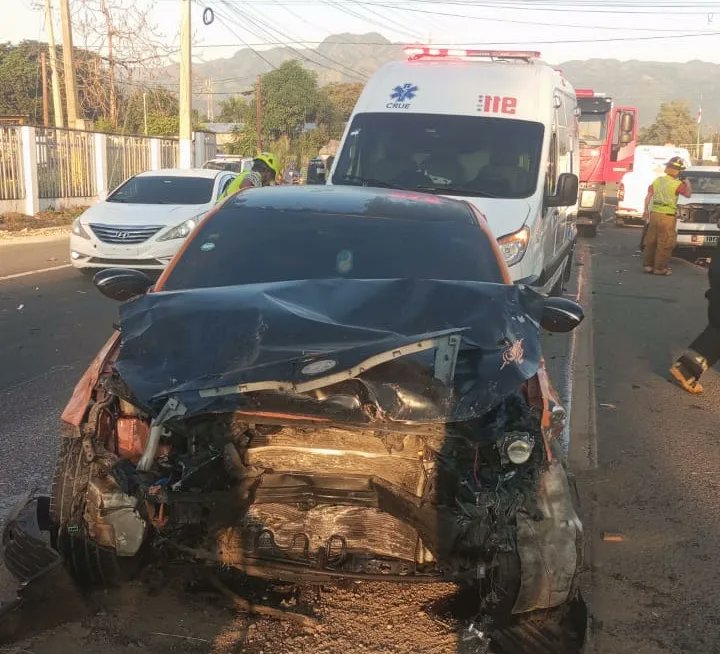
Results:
612 537
191 638
607 405
21 307
242 604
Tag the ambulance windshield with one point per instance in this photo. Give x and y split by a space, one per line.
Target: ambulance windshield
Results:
469 156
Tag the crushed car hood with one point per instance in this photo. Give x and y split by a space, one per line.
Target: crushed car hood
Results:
367 349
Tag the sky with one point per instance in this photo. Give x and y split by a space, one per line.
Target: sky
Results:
653 30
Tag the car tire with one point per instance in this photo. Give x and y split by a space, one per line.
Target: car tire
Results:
620 222
89 563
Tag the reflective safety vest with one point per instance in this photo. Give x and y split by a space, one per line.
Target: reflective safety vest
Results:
234 186
665 195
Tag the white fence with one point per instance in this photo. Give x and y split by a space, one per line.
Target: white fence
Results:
43 168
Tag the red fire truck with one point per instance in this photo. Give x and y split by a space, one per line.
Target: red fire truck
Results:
608 136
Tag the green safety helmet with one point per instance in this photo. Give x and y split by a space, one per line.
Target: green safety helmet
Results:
270 160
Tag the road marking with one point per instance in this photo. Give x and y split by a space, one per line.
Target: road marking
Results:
582 417
34 272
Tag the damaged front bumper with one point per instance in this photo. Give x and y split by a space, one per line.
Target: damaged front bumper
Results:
47 595
26 547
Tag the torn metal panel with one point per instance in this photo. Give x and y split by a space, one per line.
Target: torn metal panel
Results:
550 549
177 344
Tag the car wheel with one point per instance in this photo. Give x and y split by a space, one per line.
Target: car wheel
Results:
89 563
619 222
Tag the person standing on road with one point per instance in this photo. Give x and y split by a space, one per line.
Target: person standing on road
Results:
264 172
704 351
660 209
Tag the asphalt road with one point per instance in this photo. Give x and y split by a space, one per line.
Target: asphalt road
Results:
51 324
656 479
645 455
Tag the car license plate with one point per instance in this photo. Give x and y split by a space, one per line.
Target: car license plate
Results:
119 251
711 240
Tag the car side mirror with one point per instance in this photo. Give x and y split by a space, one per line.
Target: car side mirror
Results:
561 315
627 123
122 284
566 193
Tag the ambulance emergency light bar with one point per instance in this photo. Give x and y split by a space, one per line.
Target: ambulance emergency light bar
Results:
421 52
589 93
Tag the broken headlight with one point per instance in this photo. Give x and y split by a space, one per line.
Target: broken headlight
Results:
516 447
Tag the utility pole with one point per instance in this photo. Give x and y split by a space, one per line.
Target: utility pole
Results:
43 72
111 63
258 113
699 120
186 158
68 65
209 89
57 98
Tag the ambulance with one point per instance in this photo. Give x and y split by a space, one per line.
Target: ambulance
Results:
498 129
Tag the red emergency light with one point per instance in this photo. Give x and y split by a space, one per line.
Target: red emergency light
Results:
584 93
425 51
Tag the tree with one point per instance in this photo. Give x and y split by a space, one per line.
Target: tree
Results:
128 44
310 143
235 110
20 90
341 100
244 142
673 124
290 99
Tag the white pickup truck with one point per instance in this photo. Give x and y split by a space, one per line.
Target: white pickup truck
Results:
648 164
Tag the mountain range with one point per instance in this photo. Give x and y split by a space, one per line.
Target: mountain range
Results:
354 57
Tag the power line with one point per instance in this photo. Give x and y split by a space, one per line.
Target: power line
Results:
268 30
533 5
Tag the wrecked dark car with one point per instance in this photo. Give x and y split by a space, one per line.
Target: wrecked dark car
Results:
326 383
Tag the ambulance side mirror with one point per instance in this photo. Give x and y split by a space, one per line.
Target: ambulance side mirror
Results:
566 193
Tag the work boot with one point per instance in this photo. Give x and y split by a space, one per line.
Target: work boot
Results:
687 371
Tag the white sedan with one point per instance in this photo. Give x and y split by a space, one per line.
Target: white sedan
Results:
143 222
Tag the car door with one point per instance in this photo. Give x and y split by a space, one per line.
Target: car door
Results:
551 215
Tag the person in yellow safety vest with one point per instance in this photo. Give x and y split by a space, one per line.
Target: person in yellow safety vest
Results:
660 209
264 172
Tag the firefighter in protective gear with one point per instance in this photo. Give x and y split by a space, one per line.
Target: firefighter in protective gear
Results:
660 209
264 172
704 351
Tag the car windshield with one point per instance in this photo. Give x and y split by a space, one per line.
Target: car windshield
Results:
164 189
452 155
241 245
592 128
220 164
704 183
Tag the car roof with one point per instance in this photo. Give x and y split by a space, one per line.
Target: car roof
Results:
182 172
703 169
356 201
